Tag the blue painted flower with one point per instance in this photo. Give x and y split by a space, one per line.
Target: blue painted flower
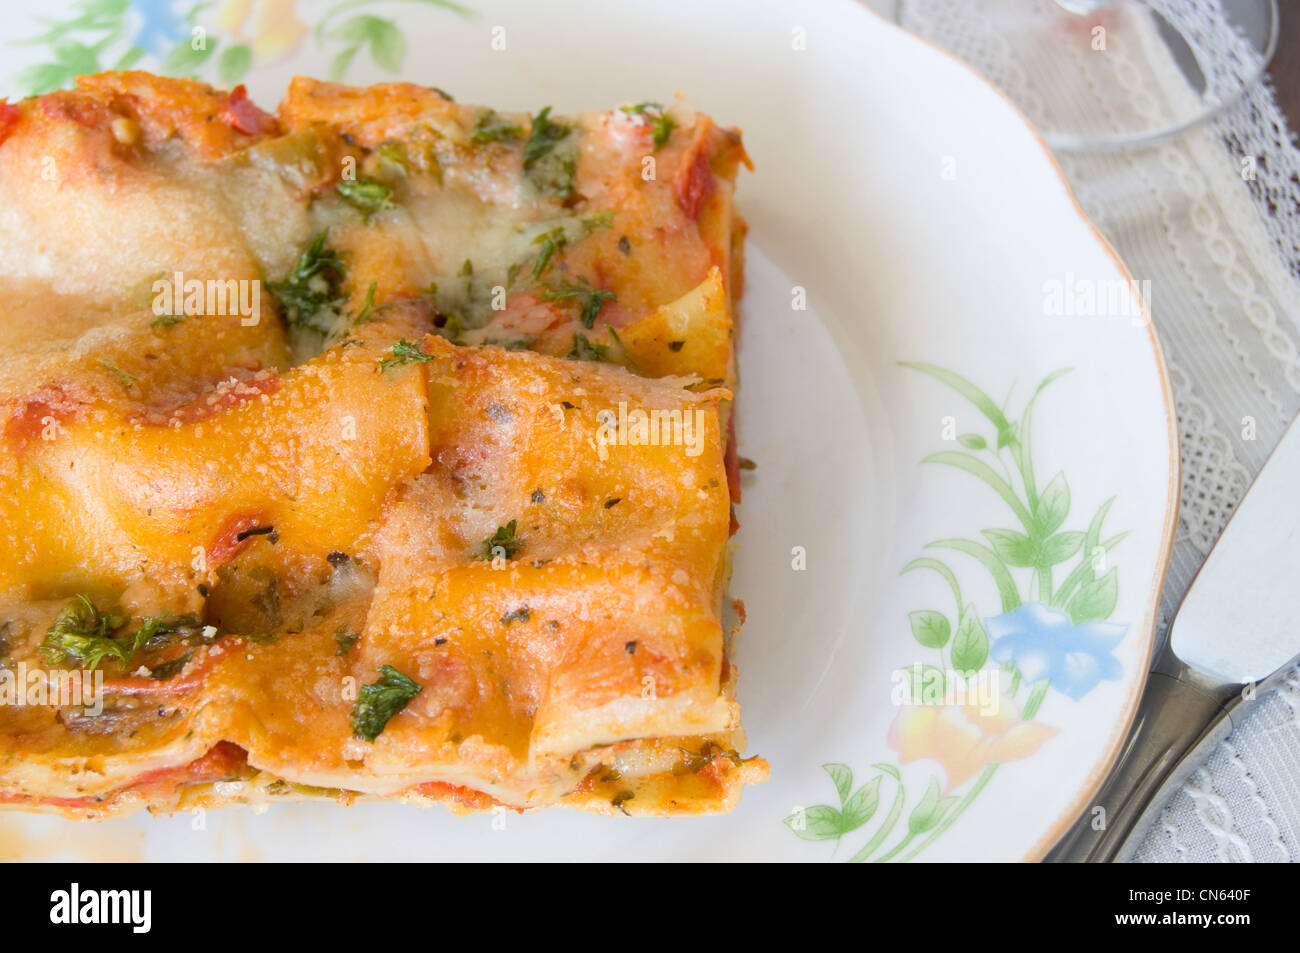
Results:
159 26
1044 643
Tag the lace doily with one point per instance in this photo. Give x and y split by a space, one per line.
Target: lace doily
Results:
1212 219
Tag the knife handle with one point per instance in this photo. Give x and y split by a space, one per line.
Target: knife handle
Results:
1177 725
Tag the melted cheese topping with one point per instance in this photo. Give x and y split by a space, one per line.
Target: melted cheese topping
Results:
285 504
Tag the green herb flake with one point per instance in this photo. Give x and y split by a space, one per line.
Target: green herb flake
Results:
492 128
551 169
83 634
661 124
404 352
345 639
166 320
585 350
126 380
597 222
550 241
590 298
503 539
365 195
392 154
379 701
368 307
311 286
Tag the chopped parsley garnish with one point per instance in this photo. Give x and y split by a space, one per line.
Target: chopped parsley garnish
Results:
747 464
392 153
365 195
491 128
661 124
166 320
126 380
522 614
83 634
621 798
693 763
368 307
591 298
550 241
594 223
550 169
404 352
503 539
311 287
585 350
345 640
379 701
451 328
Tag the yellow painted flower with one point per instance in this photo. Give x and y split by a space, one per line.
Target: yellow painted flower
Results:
965 738
270 27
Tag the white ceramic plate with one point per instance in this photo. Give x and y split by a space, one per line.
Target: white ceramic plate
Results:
901 211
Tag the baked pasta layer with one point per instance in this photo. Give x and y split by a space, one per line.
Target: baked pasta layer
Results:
379 447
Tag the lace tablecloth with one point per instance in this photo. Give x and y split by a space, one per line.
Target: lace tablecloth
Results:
1212 220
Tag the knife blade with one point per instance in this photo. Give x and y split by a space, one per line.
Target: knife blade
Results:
1232 638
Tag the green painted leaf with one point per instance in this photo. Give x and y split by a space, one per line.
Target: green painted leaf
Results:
234 63
822 822
926 813
930 628
925 684
388 47
76 56
1095 600
129 58
1060 548
1091 541
184 60
382 37
339 65
889 769
982 401
44 78
1053 506
925 562
970 648
972 441
1036 696
978 468
842 776
997 569
1014 549
861 807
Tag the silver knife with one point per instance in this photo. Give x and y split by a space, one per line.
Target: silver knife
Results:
1235 636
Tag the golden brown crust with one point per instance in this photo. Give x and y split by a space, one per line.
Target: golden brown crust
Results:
318 493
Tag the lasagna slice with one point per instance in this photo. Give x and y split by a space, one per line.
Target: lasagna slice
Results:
377 448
